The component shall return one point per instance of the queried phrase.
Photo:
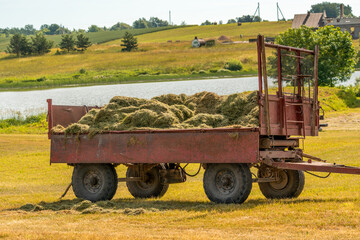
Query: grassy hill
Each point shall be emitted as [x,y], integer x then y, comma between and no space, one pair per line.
[156,58]
[97,37]
[247,30]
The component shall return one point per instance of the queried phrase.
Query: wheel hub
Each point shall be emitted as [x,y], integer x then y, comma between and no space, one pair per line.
[225,181]
[149,181]
[282,181]
[92,181]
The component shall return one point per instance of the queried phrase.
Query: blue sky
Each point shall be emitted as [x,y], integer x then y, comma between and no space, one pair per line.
[83,13]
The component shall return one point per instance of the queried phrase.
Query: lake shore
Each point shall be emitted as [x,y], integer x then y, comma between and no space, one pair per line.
[38,84]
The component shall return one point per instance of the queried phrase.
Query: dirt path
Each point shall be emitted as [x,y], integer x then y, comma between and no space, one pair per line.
[343,121]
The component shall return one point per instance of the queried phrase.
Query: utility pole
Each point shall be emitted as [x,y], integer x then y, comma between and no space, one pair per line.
[257,11]
[170,18]
[278,10]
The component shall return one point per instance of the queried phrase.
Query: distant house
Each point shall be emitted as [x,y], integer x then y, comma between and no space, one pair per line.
[316,20]
[352,25]
[312,20]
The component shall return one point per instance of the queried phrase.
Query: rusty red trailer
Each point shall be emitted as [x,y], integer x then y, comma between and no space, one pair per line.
[154,157]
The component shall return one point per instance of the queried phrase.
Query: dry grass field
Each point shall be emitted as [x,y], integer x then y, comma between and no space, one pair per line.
[327,208]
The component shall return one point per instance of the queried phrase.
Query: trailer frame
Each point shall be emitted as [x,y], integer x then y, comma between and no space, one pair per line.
[226,154]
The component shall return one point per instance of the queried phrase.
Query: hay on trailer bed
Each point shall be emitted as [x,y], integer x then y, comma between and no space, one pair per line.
[170,111]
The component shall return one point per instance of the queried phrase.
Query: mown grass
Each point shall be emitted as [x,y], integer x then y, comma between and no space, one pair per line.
[327,208]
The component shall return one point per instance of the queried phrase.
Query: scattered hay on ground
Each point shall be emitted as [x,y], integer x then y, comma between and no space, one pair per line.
[170,111]
[31,207]
[79,206]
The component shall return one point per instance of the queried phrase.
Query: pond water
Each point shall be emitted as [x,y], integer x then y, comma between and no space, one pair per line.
[34,102]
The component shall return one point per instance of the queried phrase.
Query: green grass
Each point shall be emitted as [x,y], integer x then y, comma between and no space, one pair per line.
[4,42]
[36,124]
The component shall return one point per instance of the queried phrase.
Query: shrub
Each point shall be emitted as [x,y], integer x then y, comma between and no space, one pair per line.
[82,71]
[233,65]
[42,79]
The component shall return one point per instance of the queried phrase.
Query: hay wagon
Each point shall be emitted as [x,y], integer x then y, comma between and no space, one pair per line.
[156,158]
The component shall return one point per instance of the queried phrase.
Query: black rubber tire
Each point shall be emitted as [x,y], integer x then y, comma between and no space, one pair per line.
[94,182]
[227,183]
[290,187]
[153,187]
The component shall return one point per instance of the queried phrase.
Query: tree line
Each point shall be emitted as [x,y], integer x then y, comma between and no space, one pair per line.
[58,29]
[39,45]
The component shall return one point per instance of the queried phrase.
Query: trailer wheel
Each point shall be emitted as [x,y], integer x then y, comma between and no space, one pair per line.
[94,182]
[290,185]
[227,183]
[151,187]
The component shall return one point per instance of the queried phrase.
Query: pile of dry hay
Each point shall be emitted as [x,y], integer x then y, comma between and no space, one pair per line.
[170,111]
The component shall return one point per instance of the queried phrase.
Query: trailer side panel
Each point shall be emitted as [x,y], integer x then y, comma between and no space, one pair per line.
[177,146]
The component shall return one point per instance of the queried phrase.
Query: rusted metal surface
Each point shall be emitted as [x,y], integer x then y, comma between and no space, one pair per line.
[277,154]
[65,115]
[262,51]
[287,115]
[268,143]
[167,146]
[288,48]
[276,118]
[315,117]
[316,167]
[49,117]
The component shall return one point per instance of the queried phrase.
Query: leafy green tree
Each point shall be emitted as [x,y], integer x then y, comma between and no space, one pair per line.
[207,22]
[82,42]
[141,23]
[120,26]
[19,45]
[40,45]
[336,52]
[53,28]
[29,30]
[67,42]
[332,9]
[156,22]
[248,18]
[129,42]
[94,28]
[231,21]
[62,30]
